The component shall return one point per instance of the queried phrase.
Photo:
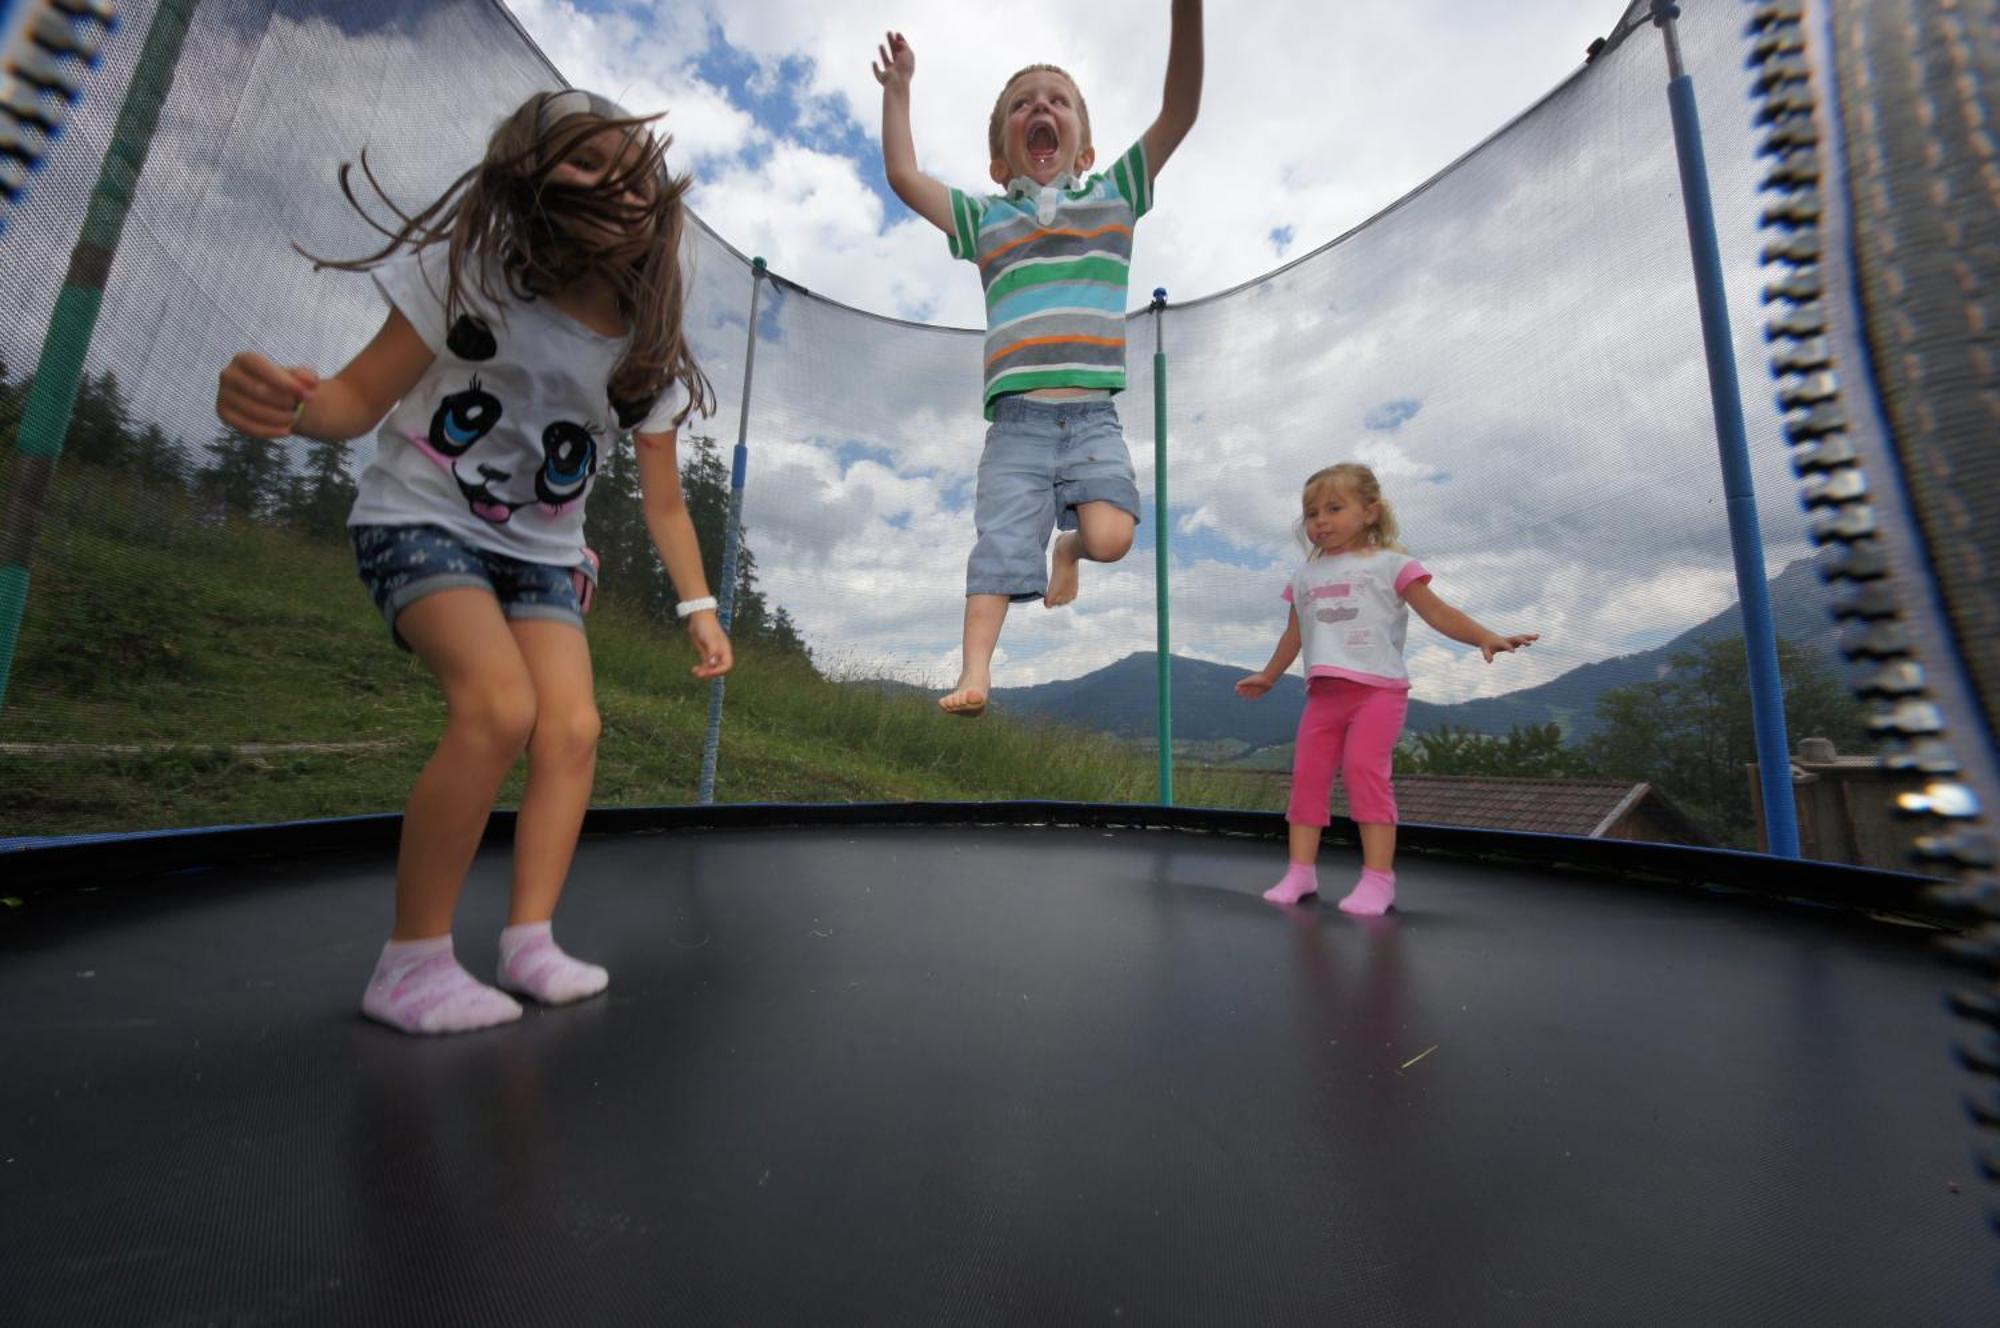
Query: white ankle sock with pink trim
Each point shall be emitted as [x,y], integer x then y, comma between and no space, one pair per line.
[419,987]
[532,964]
[1300,880]
[1372,896]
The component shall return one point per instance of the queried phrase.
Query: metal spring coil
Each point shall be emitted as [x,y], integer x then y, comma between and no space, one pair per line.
[43,59]
[1950,837]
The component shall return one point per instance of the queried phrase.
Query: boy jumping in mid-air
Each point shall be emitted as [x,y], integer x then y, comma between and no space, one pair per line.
[1053,255]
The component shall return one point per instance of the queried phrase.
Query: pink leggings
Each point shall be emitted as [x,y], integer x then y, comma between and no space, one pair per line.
[1354,726]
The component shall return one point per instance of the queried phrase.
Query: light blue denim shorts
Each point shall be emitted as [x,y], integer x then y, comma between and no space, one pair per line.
[402,564]
[1043,460]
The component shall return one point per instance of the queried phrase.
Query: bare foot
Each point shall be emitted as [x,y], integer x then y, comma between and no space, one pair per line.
[1063,571]
[967,702]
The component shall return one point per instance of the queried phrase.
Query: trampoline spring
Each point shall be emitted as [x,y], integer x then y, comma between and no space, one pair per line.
[1810,425]
[1846,524]
[1829,453]
[1828,488]
[1798,131]
[1883,640]
[1982,1006]
[1801,248]
[1948,800]
[1977,949]
[1781,70]
[1855,562]
[49,71]
[13,177]
[1774,12]
[1800,167]
[1807,320]
[1803,356]
[1867,601]
[18,140]
[1982,1057]
[1970,849]
[1902,677]
[1777,39]
[1926,756]
[25,105]
[1799,390]
[1909,718]
[1800,286]
[1984,1111]
[1801,209]
[66,36]
[1796,99]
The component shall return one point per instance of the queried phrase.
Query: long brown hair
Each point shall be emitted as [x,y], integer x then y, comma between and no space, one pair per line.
[544,235]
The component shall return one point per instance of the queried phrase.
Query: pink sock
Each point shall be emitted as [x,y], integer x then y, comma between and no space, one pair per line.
[419,988]
[532,964]
[1372,896]
[1299,881]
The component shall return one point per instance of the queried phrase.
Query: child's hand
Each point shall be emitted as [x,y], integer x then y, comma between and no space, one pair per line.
[713,657]
[1495,644]
[261,398]
[1254,686]
[896,64]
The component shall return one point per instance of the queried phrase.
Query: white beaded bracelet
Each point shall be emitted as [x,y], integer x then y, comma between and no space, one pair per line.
[687,608]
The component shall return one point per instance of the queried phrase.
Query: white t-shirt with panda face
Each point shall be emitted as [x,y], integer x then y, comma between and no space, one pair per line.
[499,440]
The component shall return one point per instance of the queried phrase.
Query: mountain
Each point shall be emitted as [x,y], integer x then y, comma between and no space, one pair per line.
[1121,698]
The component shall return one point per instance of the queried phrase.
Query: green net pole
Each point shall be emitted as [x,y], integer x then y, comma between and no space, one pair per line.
[1160,598]
[46,415]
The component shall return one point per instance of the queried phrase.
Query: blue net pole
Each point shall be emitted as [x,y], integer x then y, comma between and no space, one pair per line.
[738,468]
[1760,638]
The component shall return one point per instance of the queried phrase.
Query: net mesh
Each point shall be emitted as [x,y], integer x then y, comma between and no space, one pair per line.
[1514,347]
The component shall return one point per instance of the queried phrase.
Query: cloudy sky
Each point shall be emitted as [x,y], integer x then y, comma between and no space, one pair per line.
[1414,345]
[1512,344]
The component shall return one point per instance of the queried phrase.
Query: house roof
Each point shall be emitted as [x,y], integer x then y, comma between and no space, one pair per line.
[1586,807]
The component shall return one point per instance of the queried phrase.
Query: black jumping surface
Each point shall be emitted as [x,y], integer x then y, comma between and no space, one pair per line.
[956,1075]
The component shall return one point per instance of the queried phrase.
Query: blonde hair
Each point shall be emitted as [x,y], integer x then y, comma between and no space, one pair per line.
[999,116]
[543,235]
[1359,482]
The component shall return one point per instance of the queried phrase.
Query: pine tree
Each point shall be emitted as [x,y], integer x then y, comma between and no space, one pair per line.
[318,500]
[247,474]
[158,460]
[100,423]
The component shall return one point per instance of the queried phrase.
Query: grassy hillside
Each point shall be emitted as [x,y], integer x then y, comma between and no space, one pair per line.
[161,641]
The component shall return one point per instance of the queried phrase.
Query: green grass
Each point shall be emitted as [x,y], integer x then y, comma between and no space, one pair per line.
[152,624]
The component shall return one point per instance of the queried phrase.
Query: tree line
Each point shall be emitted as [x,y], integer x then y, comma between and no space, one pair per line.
[307,486]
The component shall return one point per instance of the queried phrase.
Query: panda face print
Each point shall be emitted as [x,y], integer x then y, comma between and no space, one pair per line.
[470,339]
[569,459]
[461,420]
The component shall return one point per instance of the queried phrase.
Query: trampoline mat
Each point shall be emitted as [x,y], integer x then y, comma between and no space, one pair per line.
[927,1075]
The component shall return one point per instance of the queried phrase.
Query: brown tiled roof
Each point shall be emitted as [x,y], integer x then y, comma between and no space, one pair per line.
[1542,806]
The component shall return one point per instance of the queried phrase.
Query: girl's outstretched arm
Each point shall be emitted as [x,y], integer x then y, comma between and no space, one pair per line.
[1264,680]
[1182,98]
[1459,626]
[672,529]
[266,400]
[925,196]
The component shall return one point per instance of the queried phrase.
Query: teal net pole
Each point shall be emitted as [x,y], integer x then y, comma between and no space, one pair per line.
[739,467]
[45,417]
[1160,597]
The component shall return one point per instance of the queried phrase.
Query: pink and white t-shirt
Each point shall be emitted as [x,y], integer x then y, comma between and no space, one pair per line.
[1352,617]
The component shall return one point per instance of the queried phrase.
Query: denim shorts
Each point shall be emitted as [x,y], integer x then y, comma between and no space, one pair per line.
[1043,460]
[402,564]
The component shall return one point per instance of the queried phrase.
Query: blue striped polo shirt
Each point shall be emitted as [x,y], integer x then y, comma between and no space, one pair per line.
[1055,263]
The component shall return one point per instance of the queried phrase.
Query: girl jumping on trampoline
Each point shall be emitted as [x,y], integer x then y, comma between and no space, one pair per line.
[534,315]
[1350,607]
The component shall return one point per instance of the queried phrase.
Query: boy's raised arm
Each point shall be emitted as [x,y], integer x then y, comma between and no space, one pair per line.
[1182,98]
[926,197]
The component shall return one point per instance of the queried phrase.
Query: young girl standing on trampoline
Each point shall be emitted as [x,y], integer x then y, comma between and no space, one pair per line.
[534,314]
[1350,606]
